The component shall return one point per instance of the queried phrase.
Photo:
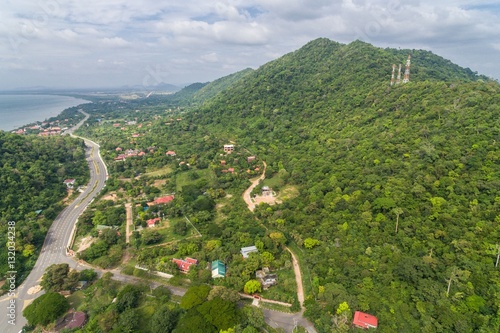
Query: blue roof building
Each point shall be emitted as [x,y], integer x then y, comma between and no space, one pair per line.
[218,269]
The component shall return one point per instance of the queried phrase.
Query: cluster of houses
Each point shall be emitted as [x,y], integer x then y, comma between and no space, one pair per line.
[45,128]
[50,131]
[158,201]
[128,153]
[218,267]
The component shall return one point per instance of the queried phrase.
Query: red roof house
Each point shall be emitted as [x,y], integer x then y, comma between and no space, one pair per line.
[161,200]
[170,153]
[152,222]
[364,320]
[185,264]
[69,183]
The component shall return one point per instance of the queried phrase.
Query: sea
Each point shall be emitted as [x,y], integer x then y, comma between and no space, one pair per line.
[20,110]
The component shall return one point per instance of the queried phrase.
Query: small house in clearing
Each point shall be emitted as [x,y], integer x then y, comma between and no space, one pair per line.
[245,251]
[218,269]
[266,280]
[364,320]
[69,183]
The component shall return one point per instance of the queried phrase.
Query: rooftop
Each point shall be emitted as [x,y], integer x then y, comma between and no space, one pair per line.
[364,320]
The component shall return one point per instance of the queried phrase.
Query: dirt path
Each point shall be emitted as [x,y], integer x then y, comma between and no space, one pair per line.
[295,262]
[128,232]
[298,279]
[255,182]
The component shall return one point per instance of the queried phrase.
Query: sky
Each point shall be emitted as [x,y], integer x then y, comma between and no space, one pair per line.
[115,43]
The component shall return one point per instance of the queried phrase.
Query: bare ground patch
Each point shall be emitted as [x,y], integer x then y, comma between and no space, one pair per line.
[85,243]
[159,182]
[110,196]
[269,199]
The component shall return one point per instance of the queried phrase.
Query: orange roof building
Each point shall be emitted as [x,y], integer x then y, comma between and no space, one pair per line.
[364,320]
[161,200]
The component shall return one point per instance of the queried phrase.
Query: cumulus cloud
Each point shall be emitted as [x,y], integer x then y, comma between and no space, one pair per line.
[200,40]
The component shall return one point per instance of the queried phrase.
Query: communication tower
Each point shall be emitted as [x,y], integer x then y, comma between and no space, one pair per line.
[398,80]
[407,70]
[393,73]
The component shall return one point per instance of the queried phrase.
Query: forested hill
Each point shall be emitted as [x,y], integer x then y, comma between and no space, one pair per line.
[213,88]
[198,93]
[399,186]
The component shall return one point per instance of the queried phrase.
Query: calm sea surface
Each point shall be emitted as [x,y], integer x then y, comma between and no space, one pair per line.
[19,110]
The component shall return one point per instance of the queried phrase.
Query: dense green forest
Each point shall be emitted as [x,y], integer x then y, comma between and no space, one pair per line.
[398,188]
[31,188]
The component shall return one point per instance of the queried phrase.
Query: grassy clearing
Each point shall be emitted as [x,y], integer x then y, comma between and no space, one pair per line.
[76,299]
[273,182]
[192,176]
[167,234]
[159,172]
[288,192]
[285,290]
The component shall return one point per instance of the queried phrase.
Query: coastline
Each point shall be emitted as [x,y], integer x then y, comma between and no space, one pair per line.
[17,110]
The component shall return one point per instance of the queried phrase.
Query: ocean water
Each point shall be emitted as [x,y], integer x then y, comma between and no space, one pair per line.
[19,110]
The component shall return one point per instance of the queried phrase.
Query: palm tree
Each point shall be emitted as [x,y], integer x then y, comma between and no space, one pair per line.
[397,211]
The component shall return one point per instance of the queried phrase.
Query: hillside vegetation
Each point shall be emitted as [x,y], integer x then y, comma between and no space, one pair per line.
[396,190]
[31,187]
[399,185]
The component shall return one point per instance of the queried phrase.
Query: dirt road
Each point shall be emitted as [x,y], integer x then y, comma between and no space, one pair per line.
[295,262]
[255,182]
[128,232]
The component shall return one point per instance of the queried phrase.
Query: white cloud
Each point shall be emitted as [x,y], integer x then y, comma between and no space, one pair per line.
[225,35]
[114,42]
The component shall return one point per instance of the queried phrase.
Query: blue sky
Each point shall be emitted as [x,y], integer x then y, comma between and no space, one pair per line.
[112,43]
